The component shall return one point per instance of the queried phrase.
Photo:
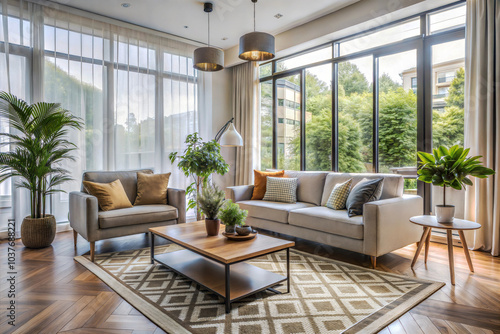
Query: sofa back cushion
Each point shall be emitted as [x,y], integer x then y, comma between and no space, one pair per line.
[393,184]
[309,185]
[127,178]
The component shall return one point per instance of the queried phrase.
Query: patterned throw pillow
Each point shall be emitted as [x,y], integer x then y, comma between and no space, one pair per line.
[339,194]
[281,190]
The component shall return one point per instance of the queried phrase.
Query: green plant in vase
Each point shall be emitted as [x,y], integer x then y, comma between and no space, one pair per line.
[232,216]
[450,168]
[210,201]
[200,160]
[38,147]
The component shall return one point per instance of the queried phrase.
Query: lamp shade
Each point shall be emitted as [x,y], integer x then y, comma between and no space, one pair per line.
[257,46]
[208,59]
[231,137]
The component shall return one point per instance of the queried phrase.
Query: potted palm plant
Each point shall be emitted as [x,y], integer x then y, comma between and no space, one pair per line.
[232,216]
[38,146]
[450,168]
[210,202]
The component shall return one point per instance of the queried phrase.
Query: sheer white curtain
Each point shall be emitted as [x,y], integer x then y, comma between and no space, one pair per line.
[15,77]
[135,89]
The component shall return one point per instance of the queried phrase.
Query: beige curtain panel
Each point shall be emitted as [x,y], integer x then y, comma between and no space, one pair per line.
[482,119]
[245,100]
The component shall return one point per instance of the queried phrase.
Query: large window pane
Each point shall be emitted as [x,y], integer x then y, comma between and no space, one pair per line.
[289,111]
[355,100]
[304,59]
[392,34]
[266,125]
[319,118]
[398,116]
[448,77]
[447,19]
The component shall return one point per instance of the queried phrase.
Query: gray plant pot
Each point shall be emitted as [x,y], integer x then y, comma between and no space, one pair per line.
[445,213]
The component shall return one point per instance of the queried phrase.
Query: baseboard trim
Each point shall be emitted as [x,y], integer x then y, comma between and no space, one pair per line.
[60,227]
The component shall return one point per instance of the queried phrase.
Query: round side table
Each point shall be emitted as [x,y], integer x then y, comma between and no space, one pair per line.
[430,222]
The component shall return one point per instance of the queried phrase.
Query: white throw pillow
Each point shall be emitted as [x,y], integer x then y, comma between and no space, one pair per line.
[281,189]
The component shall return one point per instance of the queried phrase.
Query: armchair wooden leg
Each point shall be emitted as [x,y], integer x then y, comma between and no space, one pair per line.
[374,261]
[75,237]
[92,251]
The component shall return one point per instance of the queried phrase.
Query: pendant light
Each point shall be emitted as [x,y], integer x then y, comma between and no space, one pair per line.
[256,46]
[208,59]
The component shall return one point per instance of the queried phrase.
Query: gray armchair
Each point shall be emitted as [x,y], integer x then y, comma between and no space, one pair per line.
[92,224]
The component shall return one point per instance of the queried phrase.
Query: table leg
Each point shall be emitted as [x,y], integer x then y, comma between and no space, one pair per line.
[427,244]
[288,270]
[228,289]
[466,250]
[152,243]
[449,240]
[427,231]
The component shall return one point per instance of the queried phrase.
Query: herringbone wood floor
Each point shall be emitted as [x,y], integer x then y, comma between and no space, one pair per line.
[57,295]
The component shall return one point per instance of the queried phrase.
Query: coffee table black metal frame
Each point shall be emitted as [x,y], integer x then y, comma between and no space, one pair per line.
[227,268]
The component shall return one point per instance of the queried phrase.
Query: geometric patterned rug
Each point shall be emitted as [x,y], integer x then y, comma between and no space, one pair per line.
[326,296]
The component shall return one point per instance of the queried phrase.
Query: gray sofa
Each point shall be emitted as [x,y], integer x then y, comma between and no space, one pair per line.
[383,227]
[92,224]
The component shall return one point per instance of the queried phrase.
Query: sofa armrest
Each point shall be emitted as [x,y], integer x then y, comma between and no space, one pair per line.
[387,226]
[83,214]
[177,198]
[239,193]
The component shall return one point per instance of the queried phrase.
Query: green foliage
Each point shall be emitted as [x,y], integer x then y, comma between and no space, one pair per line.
[210,201]
[386,84]
[200,160]
[448,127]
[456,90]
[398,128]
[232,215]
[351,79]
[350,158]
[450,168]
[38,148]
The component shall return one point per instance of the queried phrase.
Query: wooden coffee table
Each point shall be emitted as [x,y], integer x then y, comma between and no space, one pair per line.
[430,222]
[218,264]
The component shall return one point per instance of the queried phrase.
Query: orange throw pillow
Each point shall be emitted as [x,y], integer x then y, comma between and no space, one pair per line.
[260,182]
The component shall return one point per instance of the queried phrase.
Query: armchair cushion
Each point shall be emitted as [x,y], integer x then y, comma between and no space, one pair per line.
[111,196]
[140,214]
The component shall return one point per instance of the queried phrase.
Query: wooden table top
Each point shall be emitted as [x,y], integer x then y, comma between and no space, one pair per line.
[457,224]
[193,236]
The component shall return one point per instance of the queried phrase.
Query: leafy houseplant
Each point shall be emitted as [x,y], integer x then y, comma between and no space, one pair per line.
[38,147]
[200,160]
[450,168]
[210,201]
[232,216]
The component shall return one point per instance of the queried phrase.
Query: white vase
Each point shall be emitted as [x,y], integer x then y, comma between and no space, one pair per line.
[445,213]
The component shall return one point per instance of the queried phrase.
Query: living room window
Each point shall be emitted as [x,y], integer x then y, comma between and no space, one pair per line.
[363,106]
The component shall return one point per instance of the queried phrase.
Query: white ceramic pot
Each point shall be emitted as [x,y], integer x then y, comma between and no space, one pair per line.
[445,213]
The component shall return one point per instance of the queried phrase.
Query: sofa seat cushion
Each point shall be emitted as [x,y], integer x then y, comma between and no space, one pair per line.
[276,211]
[327,220]
[140,214]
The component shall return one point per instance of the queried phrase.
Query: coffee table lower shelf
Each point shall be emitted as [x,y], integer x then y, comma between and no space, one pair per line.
[244,279]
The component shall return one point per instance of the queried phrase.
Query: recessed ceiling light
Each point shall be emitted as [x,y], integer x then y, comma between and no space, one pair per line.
[125,5]
[278,16]
[185,27]
[224,38]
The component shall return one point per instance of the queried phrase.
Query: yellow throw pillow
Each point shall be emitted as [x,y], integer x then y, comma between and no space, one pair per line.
[152,188]
[110,196]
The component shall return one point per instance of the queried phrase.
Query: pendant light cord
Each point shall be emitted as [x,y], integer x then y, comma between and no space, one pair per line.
[208,29]
[254,17]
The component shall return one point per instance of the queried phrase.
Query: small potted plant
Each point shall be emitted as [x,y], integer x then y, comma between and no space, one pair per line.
[210,202]
[450,168]
[232,216]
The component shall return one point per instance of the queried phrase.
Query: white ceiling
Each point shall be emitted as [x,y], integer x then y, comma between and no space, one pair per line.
[229,20]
